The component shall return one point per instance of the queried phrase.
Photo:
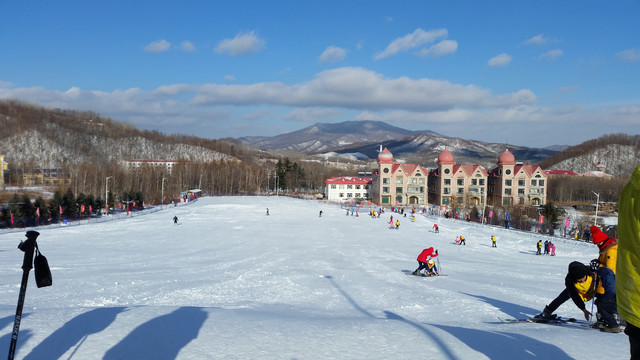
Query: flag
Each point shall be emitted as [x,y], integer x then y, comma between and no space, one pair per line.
[90,209]
[38,212]
[134,204]
[81,208]
[567,222]
[107,208]
[60,209]
[11,219]
[541,218]
[127,210]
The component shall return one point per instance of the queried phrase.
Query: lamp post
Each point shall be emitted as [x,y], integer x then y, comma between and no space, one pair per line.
[162,199]
[595,220]
[106,193]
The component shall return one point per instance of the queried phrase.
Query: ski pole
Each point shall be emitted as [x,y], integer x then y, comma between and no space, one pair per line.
[28,247]
[593,294]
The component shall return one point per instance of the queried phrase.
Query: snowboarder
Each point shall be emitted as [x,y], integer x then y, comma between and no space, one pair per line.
[578,287]
[493,241]
[435,228]
[539,247]
[425,262]
[175,220]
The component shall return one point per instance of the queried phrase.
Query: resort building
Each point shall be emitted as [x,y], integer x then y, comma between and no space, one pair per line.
[457,185]
[398,184]
[516,184]
[348,188]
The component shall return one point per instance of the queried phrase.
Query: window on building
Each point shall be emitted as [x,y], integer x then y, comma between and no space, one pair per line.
[447,181]
[349,186]
[460,182]
[349,195]
[357,195]
[386,181]
[521,182]
[385,189]
[341,195]
[507,183]
[446,190]
[521,192]
[460,191]
[421,182]
[413,189]
[474,182]
[481,182]
[357,186]
[399,190]
[333,186]
[399,181]
[534,182]
[540,182]
[507,191]
[460,201]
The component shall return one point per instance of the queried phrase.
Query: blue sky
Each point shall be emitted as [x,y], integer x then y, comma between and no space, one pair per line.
[533,73]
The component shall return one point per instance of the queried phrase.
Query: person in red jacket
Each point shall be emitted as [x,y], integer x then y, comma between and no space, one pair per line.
[425,262]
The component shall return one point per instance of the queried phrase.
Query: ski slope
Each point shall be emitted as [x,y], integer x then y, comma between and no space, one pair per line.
[231,282]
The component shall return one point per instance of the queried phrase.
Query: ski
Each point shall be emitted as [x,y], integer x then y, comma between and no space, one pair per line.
[420,275]
[552,321]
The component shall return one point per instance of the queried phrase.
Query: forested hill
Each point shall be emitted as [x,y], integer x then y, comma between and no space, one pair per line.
[619,153]
[48,138]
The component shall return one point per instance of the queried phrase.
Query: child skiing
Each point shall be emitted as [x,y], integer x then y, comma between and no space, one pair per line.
[397,224]
[462,241]
[175,220]
[435,228]
[539,247]
[425,262]
[493,241]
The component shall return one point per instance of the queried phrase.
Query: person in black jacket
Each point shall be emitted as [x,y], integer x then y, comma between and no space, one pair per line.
[578,287]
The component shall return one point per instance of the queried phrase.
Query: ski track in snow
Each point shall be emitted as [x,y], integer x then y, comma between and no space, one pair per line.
[234,283]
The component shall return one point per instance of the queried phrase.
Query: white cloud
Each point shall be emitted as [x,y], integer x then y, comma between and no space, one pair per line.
[410,41]
[229,78]
[187,46]
[500,60]
[312,114]
[358,88]
[5,84]
[630,55]
[158,46]
[552,55]
[333,54]
[241,44]
[442,48]
[537,40]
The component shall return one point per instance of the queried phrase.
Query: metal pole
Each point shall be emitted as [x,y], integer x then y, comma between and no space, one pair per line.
[106,193]
[595,220]
[28,247]
[162,200]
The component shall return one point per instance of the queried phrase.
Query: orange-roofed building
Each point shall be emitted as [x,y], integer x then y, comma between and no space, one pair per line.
[461,185]
[516,184]
[398,184]
[347,188]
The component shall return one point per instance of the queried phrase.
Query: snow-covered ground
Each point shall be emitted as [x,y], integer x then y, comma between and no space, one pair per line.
[230,282]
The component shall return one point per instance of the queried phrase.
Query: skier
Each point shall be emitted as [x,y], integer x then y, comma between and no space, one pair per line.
[175,220]
[493,241]
[320,213]
[435,228]
[397,224]
[552,248]
[628,278]
[606,286]
[267,211]
[423,263]
[578,287]
[462,240]
[539,247]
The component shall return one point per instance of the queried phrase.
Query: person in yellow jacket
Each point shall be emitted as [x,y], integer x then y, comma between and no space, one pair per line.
[628,261]
[578,287]
[606,285]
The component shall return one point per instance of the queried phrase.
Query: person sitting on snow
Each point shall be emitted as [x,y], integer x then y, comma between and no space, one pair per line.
[423,262]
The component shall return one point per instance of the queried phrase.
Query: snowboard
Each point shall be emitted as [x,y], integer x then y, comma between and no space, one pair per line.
[553,321]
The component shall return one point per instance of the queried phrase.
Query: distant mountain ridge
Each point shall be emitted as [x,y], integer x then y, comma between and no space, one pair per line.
[362,140]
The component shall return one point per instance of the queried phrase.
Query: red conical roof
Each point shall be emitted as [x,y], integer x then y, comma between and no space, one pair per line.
[385,156]
[506,158]
[445,157]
